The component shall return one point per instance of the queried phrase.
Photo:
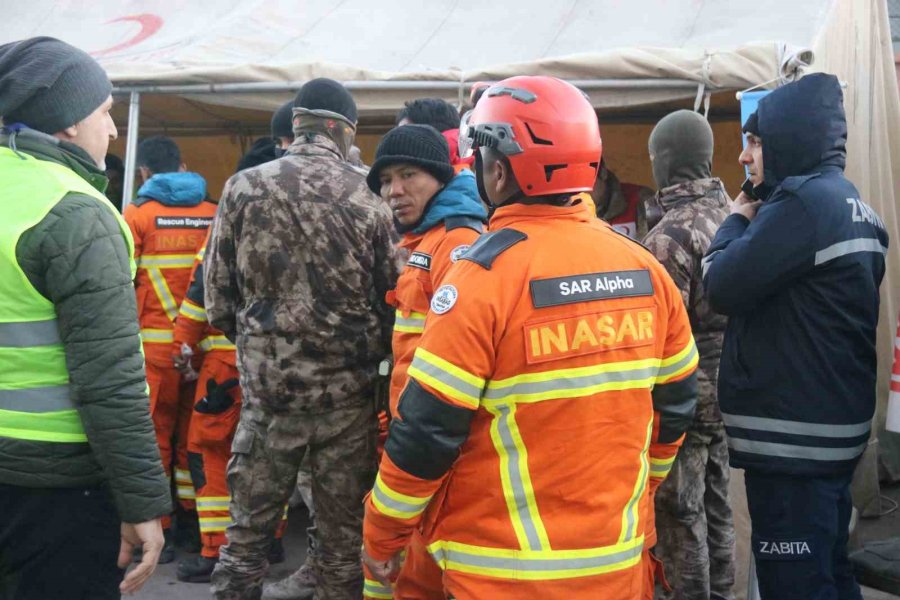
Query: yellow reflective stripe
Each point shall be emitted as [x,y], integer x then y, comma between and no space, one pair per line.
[573,383]
[214,524]
[192,311]
[447,378]
[414,323]
[166,299]
[185,493]
[183,476]
[165,261]
[374,589]
[157,336]
[215,342]
[394,504]
[631,514]
[536,565]
[679,364]
[660,467]
[62,426]
[201,254]
[516,479]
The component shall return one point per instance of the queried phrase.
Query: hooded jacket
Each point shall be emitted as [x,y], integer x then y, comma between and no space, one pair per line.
[800,285]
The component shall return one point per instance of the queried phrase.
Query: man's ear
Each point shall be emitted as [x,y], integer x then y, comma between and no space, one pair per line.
[182,168]
[69,133]
[144,173]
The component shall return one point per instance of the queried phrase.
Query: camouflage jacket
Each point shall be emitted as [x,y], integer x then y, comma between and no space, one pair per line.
[299,260]
[693,212]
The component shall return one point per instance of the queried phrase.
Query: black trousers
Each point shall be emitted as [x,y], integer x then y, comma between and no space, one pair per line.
[58,544]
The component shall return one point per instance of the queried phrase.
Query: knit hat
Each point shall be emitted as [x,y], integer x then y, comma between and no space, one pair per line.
[328,95]
[282,125]
[49,85]
[681,145]
[419,145]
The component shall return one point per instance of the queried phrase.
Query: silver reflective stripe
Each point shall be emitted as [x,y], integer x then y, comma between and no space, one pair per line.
[446,378]
[29,334]
[403,507]
[849,247]
[706,261]
[411,321]
[797,427]
[212,504]
[523,563]
[791,451]
[37,400]
[514,468]
[675,367]
[568,383]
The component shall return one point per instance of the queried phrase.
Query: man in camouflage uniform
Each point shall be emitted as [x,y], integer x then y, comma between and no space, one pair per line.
[298,263]
[693,517]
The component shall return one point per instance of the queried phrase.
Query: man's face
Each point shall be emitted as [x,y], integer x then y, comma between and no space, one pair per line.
[752,158]
[407,189]
[94,133]
[285,142]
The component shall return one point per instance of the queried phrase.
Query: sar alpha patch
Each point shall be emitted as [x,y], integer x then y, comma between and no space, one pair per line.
[444,299]
[420,260]
[589,334]
[458,252]
[796,549]
[590,286]
[183,222]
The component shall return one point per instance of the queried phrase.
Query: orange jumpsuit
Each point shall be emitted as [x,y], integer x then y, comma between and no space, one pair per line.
[210,436]
[166,238]
[431,255]
[555,373]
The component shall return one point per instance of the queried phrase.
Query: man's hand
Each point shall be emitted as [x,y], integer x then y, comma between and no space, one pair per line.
[745,206]
[182,363]
[150,535]
[385,571]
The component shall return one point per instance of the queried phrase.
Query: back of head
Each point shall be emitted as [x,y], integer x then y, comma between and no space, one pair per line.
[282,121]
[262,151]
[419,145]
[49,85]
[159,154]
[327,95]
[803,127]
[546,128]
[114,163]
[681,148]
[438,113]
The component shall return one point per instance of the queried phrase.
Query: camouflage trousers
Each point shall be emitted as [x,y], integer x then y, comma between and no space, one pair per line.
[693,519]
[262,474]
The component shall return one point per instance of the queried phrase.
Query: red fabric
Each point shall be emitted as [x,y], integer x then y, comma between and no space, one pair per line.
[452,137]
[420,577]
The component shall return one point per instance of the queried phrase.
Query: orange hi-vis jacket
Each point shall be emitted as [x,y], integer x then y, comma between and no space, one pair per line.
[166,240]
[431,255]
[192,327]
[555,373]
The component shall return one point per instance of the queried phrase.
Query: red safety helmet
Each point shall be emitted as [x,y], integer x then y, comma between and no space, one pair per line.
[547,129]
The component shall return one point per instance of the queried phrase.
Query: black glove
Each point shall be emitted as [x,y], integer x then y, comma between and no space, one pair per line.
[217,399]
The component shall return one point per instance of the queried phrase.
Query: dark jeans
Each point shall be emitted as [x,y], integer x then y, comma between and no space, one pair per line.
[59,544]
[800,532]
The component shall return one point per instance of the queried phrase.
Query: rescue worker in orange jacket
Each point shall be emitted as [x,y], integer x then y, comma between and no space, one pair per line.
[556,366]
[217,409]
[439,215]
[169,220]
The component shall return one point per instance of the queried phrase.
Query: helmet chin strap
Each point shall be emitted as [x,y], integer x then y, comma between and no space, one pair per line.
[516,196]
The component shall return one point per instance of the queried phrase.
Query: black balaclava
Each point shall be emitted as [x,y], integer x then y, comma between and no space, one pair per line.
[681,147]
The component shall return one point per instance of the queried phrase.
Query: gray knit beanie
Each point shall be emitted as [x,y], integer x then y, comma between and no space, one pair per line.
[48,84]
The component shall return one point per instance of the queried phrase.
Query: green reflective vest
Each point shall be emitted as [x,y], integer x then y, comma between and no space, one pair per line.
[35,400]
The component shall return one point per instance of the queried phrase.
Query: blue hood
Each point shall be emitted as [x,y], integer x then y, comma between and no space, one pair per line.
[459,198]
[175,189]
[803,128]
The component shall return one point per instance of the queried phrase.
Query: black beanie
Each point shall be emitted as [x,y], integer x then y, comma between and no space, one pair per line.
[419,145]
[326,94]
[49,85]
[282,125]
[752,124]
[262,151]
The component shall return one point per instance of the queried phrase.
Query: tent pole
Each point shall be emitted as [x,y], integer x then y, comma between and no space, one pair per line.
[134,113]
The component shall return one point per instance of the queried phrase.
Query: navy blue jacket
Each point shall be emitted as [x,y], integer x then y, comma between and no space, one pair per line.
[800,285]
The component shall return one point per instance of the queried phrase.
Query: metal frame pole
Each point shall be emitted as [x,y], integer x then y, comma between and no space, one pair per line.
[134,113]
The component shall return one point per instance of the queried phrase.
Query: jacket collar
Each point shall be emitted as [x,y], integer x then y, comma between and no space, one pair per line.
[46,147]
[510,214]
[314,144]
[710,191]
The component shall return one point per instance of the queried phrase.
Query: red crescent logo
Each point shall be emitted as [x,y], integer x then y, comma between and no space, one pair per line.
[149,23]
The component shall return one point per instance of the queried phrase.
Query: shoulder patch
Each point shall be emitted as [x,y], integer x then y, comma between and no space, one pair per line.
[444,299]
[458,252]
[590,286]
[489,246]
[420,260]
[472,223]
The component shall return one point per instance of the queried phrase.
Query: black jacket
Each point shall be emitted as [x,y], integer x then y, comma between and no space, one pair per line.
[800,285]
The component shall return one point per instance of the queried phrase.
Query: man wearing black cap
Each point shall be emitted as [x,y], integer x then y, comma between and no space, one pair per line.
[298,264]
[81,481]
[796,267]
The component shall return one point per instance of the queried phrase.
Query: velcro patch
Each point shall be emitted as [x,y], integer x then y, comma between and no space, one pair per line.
[588,334]
[183,222]
[420,260]
[590,286]
[796,549]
